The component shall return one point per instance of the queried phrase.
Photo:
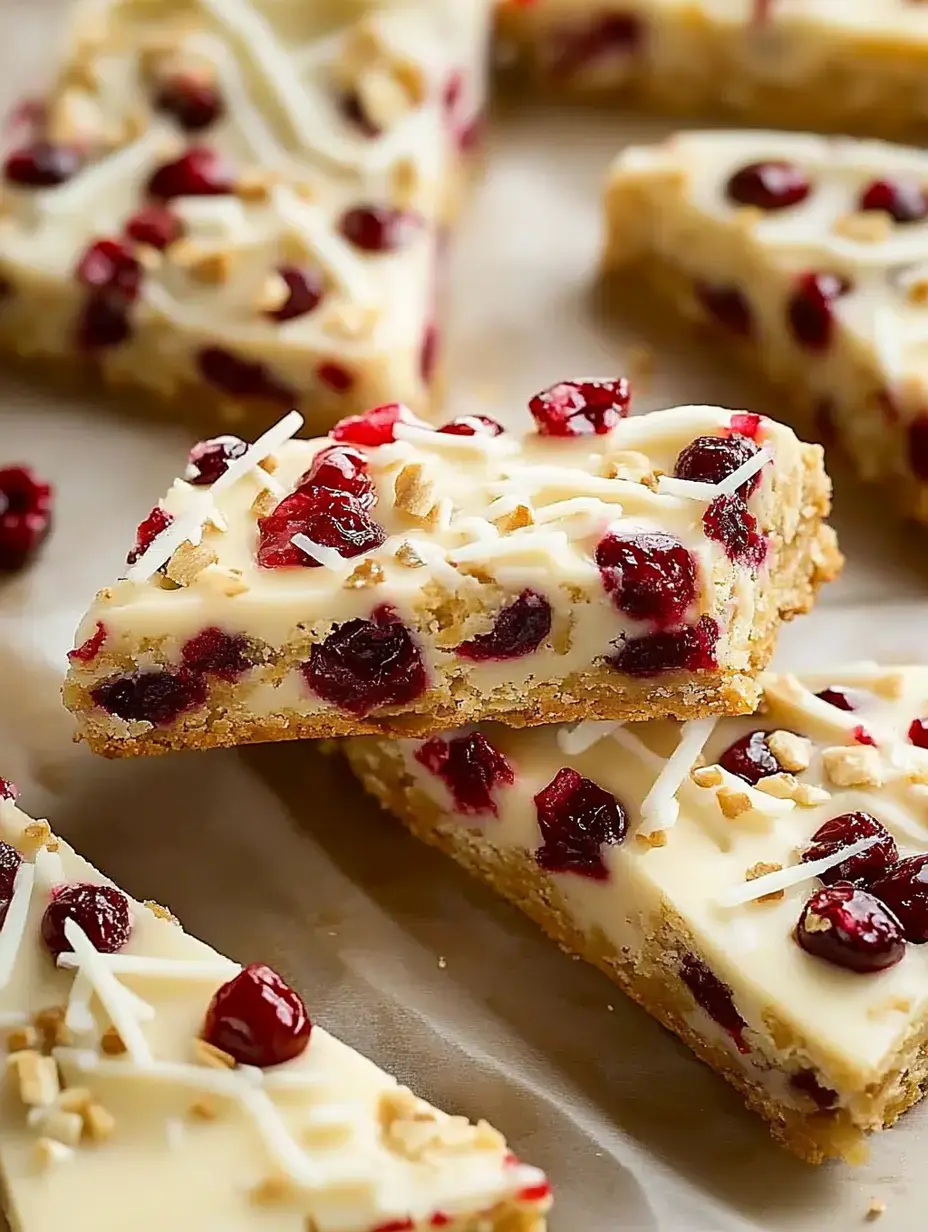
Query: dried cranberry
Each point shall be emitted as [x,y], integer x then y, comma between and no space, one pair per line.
[772,185]
[351,107]
[209,460]
[918,733]
[374,427]
[151,697]
[258,1019]
[746,423]
[102,322]
[102,912]
[25,516]
[305,290]
[841,699]
[335,376]
[331,519]
[862,736]
[805,1080]
[904,200]
[728,306]
[850,928]
[340,469]
[809,309]
[365,664]
[42,164]
[199,172]
[10,861]
[918,447]
[710,459]
[519,629]
[470,768]
[193,102]
[215,653]
[577,818]
[473,425]
[241,377]
[729,522]
[714,997]
[651,576]
[904,889]
[579,408]
[89,649]
[608,34]
[156,226]
[108,265]
[379,228]
[148,531]
[750,758]
[841,832]
[691,649]
[8,790]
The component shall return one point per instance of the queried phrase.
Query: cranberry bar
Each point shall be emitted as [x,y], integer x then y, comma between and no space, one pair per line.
[397,578]
[758,884]
[852,66]
[153,1083]
[237,206]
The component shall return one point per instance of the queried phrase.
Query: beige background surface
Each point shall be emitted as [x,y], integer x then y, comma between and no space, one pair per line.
[275,854]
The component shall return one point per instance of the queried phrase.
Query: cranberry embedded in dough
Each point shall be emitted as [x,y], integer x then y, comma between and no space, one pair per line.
[728,521]
[577,819]
[151,697]
[242,378]
[650,576]
[470,767]
[366,664]
[214,652]
[519,629]
[690,649]
[728,306]
[715,997]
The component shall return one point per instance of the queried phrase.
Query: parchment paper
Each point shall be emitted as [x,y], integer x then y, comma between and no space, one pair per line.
[274,853]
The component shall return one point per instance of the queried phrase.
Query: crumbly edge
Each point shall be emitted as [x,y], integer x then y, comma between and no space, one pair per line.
[799,567]
[651,981]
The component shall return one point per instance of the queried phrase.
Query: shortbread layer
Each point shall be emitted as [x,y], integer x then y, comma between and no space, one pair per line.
[691,898]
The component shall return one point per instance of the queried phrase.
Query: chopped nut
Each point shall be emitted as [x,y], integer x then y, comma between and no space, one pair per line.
[264,503]
[35,835]
[22,1039]
[227,581]
[203,1110]
[917,291]
[271,1190]
[657,838]
[208,1054]
[74,1099]
[149,258]
[514,520]
[51,1026]
[815,923]
[37,1076]
[254,185]
[188,562]
[707,776]
[760,870]
[891,686]
[111,1043]
[49,1152]
[781,786]
[367,573]
[159,912]
[876,1208]
[398,1103]
[350,320]
[274,293]
[63,1126]
[807,795]
[405,183]
[733,803]
[627,464]
[791,751]
[212,269]
[99,1122]
[383,97]
[747,216]
[407,555]
[853,766]
[864,226]
[414,492]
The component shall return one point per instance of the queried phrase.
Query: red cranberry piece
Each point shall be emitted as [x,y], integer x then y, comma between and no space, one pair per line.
[904,200]
[151,697]
[577,818]
[258,1019]
[215,653]
[918,447]
[396,1225]
[862,736]
[728,306]
[650,576]
[518,630]
[340,469]
[772,185]
[8,790]
[806,1081]
[89,649]
[199,172]
[918,733]
[25,516]
[148,531]
[746,423]
[841,832]
[470,768]
[335,376]
[156,226]
[471,425]
[850,928]
[10,860]
[729,522]
[750,758]
[331,519]
[192,102]
[841,699]
[608,34]
[209,460]
[351,107]
[102,912]
[714,997]
[691,649]
[108,265]
[365,664]
[810,312]
[374,427]
[42,164]
[242,378]
[305,289]
[428,355]
[102,322]
[580,408]
[710,459]
[379,228]
[904,889]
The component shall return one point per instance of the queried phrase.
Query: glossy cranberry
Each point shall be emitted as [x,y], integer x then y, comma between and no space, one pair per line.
[651,576]
[8,790]
[374,427]
[904,889]
[772,185]
[10,861]
[918,733]
[470,768]
[428,354]
[103,322]
[710,459]
[102,912]
[518,630]
[728,306]
[199,172]
[746,423]
[242,378]
[258,1019]
[108,265]
[714,997]
[215,653]
[156,226]
[904,200]
[805,1080]
[365,664]
[305,291]
[841,699]
[42,164]
[810,312]
[148,531]
[379,228]
[151,697]
[728,521]
[472,425]
[750,758]
[352,109]
[580,408]
[577,818]
[209,460]
[89,649]
[690,649]
[918,447]
[331,519]
[340,469]
[192,102]
[607,35]
[335,376]
[841,832]
[25,516]
[850,928]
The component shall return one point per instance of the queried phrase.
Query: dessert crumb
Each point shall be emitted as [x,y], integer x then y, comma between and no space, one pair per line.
[876,1208]
[442,962]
